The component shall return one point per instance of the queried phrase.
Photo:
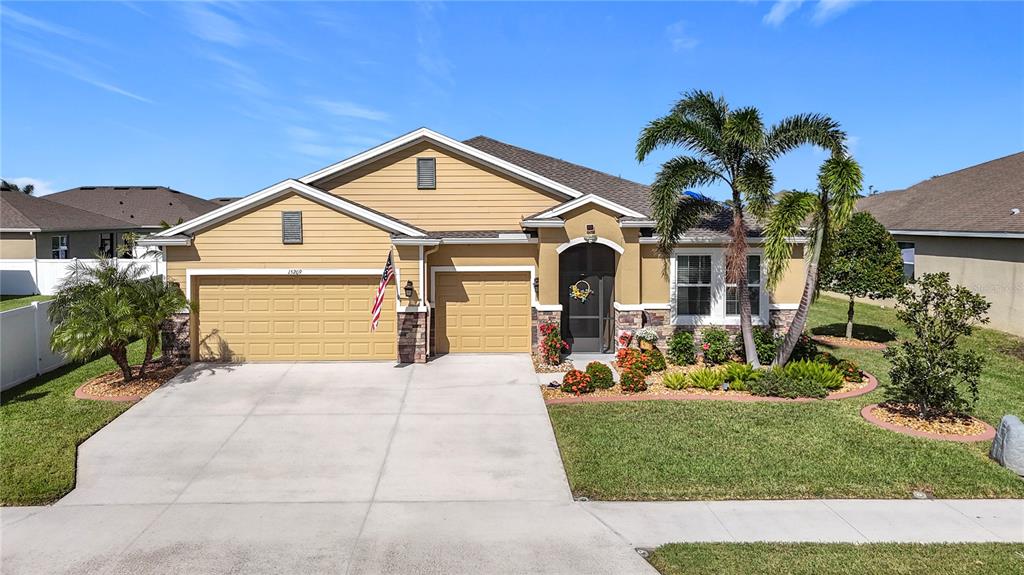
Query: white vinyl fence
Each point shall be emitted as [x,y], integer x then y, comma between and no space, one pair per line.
[25,344]
[35,276]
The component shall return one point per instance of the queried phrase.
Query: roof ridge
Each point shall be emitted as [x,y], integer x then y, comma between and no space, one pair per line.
[1007,156]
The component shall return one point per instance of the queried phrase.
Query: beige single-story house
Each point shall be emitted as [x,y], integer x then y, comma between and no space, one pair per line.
[487,238]
[82,222]
[969,224]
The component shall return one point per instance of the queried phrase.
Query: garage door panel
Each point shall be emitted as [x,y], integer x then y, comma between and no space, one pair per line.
[482,312]
[267,318]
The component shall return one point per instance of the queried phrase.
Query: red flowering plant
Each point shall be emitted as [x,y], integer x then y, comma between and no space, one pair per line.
[632,380]
[552,345]
[577,382]
[630,358]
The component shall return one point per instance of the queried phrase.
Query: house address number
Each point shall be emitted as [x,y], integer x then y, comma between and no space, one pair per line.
[295,272]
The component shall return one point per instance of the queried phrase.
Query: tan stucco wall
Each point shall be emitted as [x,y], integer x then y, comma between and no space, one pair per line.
[992,267]
[468,196]
[17,245]
[483,255]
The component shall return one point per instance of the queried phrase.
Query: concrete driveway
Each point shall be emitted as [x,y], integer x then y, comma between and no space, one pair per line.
[449,467]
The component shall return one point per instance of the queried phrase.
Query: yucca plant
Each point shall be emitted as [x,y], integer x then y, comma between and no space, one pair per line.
[675,380]
[705,378]
[739,373]
[829,377]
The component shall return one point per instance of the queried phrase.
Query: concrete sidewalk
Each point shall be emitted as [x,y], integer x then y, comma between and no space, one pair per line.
[650,524]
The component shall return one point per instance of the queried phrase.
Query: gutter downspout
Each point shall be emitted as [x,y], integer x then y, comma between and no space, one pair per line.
[423,287]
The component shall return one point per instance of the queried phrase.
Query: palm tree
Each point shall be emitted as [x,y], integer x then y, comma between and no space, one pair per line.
[730,147]
[12,187]
[839,184]
[157,300]
[96,310]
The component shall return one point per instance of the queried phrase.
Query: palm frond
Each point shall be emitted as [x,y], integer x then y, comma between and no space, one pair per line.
[756,181]
[673,211]
[842,179]
[744,129]
[784,221]
[795,131]
[676,130]
[704,108]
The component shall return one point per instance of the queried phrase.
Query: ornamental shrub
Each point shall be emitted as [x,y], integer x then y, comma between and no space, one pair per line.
[820,373]
[552,344]
[738,374]
[655,359]
[929,370]
[576,382]
[805,348]
[850,370]
[600,375]
[766,342]
[775,382]
[675,380]
[680,348]
[716,344]
[631,358]
[706,378]
[632,380]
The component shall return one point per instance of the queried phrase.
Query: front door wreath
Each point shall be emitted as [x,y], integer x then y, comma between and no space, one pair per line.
[580,290]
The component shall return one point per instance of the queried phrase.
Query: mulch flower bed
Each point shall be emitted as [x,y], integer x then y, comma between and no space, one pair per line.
[540,367]
[946,427]
[111,386]
[833,341]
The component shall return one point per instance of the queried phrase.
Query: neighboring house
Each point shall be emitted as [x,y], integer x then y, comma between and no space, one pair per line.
[487,240]
[81,222]
[970,224]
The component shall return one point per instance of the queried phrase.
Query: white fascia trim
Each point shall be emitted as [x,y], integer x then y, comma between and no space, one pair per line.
[548,307]
[532,269]
[995,235]
[194,272]
[522,240]
[589,199]
[719,240]
[576,241]
[543,224]
[422,134]
[637,224]
[784,306]
[20,230]
[415,241]
[280,189]
[640,306]
[175,241]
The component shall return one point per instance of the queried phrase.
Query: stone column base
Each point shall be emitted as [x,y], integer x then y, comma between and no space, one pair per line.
[176,339]
[412,337]
[781,319]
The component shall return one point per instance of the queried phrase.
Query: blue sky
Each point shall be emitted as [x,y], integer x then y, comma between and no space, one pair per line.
[225,99]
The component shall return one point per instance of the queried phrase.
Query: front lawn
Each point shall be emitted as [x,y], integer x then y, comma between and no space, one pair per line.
[41,424]
[655,450]
[15,301]
[838,559]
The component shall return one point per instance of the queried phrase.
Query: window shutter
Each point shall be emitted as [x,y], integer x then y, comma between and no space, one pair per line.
[291,227]
[426,174]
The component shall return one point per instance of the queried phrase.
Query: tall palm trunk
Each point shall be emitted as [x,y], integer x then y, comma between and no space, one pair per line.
[796,329]
[736,272]
[119,354]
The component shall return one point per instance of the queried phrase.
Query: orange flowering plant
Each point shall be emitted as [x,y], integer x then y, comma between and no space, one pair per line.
[577,382]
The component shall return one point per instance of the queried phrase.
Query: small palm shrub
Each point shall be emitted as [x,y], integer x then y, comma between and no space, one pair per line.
[680,348]
[675,380]
[576,382]
[628,358]
[825,375]
[600,375]
[656,359]
[738,374]
[716,344]
[775,382]
[706,378]
[633,380]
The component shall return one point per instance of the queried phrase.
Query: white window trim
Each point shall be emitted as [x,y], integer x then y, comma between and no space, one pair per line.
[718,284]
[577,241]
[531,269]
[759,252]
[197,272]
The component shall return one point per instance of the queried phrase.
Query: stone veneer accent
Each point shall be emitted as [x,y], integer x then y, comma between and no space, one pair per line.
[538,318]
[779,320]
[176,339]
[412,337]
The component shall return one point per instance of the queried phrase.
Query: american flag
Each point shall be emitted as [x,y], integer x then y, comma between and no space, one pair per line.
[378,302]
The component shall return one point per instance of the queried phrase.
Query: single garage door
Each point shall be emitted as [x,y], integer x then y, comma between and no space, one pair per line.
[288,318]
[482,312]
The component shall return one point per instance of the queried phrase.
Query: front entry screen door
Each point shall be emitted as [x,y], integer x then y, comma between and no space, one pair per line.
[587,324]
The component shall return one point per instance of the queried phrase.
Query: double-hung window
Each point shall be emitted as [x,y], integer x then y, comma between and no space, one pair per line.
[907,251]
[732,302]
[693,285]
[59,247]
[107,244]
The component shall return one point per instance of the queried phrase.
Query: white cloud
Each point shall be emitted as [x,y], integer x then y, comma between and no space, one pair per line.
[828,9]
[43,187]
[213,26]
[680,38]
[72,68]
[435,67]
[350,110]
[780,11]
[27,22]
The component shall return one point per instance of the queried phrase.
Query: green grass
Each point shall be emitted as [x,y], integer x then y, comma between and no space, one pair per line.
[838,559]
[658,450]
[41,425]
[15,301]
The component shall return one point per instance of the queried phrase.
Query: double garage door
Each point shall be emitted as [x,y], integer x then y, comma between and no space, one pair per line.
[296,318]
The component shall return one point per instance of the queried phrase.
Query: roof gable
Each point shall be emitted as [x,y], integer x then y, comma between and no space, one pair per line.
[141,206]
[583,201]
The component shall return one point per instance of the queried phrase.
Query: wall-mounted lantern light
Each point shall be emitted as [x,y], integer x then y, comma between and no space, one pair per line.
[591,235]
[536,285]
[408,289]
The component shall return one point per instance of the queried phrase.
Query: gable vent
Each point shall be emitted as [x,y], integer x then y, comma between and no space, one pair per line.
[426,173]
[291,227]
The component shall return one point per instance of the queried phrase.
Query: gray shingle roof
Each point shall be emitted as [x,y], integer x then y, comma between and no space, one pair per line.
[136,205]
[21,211]
[974,199]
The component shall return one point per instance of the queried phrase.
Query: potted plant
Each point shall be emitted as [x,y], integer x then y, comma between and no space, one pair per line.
[646,338]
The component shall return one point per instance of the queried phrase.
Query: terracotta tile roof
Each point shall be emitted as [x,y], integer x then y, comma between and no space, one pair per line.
[136,205]
[975,199]
[22,211]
